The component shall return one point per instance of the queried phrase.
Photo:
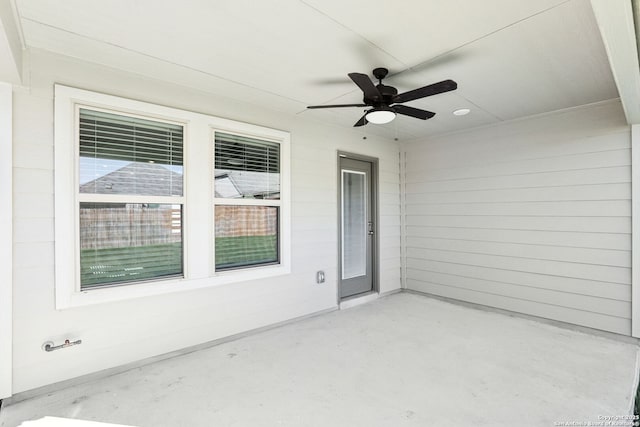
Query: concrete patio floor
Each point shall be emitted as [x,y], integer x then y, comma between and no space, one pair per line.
[401,360]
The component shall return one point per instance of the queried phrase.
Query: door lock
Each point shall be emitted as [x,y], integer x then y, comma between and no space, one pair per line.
[370,223]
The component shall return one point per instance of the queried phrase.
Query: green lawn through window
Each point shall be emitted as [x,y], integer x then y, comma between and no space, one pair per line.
[245,250]
[115,265]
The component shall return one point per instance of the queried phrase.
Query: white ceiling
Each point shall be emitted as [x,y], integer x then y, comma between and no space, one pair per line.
[511,58]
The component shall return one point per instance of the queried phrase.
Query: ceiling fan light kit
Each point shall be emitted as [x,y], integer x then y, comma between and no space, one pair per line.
[380,116]
[386,101]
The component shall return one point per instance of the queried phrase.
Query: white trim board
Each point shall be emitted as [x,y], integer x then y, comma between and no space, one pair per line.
[403,219]
[635,231]
[615,20]
[11,44]
[6,240]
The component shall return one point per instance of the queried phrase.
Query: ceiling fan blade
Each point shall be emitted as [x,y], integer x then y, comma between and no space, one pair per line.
[434,89]
[363,121]
[336,106]
[366,85]
[413,112]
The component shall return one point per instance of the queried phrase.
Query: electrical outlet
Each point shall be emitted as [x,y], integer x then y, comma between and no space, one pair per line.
[320,277]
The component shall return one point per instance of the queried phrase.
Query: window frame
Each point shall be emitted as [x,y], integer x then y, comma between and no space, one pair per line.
[81,197]
[197,199]
[229,201]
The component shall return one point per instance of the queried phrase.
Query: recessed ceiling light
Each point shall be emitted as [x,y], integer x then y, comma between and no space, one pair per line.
[461,112]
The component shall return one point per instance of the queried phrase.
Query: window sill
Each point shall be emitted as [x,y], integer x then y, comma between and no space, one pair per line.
[166,286]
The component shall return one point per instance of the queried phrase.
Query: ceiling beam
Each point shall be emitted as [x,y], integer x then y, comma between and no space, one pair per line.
[616,23]
[11,46]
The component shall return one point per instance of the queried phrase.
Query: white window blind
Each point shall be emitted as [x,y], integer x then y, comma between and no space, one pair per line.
[251,165]
[113,136]
[237,152]
[129,155]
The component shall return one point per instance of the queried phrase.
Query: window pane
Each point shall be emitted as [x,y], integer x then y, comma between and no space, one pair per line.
[128,155]
[354,224]
[246,236]
[125,242]
[246,167]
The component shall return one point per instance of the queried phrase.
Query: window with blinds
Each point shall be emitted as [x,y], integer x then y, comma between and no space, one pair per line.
[139,185]
[123,159]
[247,201]
[250,165]
[129,155]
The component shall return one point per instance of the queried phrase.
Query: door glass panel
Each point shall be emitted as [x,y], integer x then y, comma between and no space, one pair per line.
[354,224]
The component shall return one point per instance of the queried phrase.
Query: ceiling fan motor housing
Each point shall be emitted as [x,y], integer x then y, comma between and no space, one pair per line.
[387,92]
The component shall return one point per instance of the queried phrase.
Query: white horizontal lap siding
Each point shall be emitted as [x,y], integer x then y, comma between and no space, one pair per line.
[116,333]
[532,216]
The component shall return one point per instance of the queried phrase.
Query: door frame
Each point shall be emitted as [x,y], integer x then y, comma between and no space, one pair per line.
[6,240]
[375,215]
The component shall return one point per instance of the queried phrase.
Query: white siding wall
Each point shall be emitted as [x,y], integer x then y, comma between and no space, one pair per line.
[117,333]
[532,216]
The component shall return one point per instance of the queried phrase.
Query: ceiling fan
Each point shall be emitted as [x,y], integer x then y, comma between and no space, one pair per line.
[384,99]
